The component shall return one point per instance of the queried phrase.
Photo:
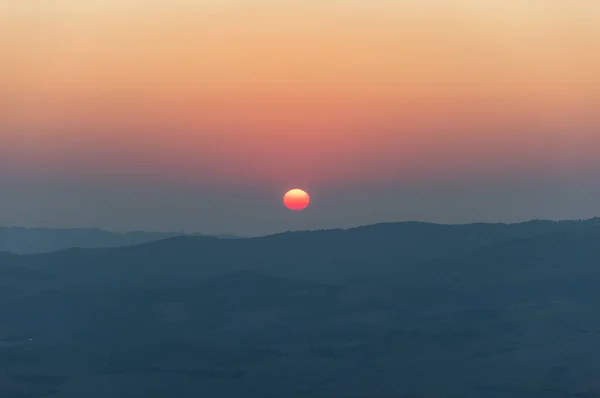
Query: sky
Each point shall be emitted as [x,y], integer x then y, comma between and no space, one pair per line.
[199,115]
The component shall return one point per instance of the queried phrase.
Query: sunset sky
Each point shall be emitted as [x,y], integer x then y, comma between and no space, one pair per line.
[200,115]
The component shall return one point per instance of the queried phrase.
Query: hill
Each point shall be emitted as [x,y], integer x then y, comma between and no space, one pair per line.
[390,310]
[22,240]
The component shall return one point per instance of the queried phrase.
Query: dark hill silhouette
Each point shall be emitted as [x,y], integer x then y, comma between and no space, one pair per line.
[42,240]
[330,255]
[6,255]
[390,310]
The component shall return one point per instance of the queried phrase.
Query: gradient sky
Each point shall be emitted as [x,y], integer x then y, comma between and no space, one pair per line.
[199,115]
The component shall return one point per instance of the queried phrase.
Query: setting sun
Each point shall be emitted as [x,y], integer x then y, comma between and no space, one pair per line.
[296,199]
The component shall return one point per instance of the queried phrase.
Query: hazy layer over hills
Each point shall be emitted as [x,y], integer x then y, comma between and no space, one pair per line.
[42,240]
[390,310]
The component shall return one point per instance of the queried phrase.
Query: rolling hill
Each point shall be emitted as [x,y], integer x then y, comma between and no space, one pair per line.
[22,240]
[389,310]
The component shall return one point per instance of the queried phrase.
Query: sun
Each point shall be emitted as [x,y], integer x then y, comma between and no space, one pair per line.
[296,199]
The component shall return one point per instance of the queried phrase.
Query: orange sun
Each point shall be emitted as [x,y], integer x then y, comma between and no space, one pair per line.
[296,199]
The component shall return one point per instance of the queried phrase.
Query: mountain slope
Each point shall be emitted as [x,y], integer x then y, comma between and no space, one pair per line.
[42,240]
[394,310]
[333,255]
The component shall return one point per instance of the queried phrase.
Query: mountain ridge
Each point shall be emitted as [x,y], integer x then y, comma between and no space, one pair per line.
[25,240]
[482,310]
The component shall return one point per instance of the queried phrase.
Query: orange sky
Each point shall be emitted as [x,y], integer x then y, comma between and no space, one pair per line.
[299,92]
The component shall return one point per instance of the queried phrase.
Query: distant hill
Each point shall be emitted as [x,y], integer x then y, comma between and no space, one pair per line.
[22,240]
[389,310]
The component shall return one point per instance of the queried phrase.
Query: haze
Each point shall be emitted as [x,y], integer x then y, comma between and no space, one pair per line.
[198,116]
